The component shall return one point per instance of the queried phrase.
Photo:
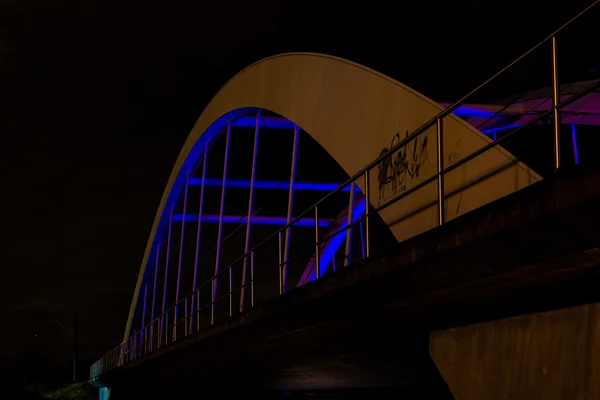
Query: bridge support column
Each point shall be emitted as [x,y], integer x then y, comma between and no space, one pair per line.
[550,355]
[104,393]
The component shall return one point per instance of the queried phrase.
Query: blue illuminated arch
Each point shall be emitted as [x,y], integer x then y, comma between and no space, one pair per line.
[352,112]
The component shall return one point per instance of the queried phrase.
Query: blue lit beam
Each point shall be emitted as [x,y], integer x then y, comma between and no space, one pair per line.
[258,220]
[242,183]
[335,242]
[473,111]
[493,131]
[265,122]
[464,111]
[478,110]
[575,147]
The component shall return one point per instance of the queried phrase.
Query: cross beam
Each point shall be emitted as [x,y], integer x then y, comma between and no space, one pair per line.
[242,183]
[258,220]
[464,111]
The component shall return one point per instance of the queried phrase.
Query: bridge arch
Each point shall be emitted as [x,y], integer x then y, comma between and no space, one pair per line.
[354,113]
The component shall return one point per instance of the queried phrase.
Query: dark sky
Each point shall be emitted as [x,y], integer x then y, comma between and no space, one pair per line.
[97,97]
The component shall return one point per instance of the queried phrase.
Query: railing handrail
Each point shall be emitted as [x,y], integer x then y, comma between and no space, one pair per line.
[444,170]
[445,112]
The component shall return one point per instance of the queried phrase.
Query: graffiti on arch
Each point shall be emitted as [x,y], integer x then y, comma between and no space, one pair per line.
[397,171]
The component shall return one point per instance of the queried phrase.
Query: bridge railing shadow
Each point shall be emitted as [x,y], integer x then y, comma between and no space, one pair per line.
[272,267]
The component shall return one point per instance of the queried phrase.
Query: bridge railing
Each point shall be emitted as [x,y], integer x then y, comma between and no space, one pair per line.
[242,284]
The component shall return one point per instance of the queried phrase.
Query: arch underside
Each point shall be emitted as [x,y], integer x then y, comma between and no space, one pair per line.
[355,114]
[295,181]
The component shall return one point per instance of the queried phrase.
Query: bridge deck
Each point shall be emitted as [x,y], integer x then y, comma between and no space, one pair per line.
[367,325]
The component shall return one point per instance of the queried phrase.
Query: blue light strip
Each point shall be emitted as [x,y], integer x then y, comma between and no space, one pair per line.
[503,128]
[467,111]
[574,139]
[463,111]
[241,183]
[334,243]
[265,122]
[256,220]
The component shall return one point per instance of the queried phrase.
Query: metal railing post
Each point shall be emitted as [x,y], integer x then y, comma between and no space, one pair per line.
[212,301]
[555,102]
[440,170]
[230,291]
[174,332]
[280,250]
[159,322]
[197,310]
[252,279]
[156,270]
[167,329]
[151,337]
[186,317]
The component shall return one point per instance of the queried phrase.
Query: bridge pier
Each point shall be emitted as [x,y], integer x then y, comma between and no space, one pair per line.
[546,355]
[104,393]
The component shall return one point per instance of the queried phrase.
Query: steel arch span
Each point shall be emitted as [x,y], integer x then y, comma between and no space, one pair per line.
[355,114]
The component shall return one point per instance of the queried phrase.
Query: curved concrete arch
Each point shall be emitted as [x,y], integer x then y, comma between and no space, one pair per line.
[355,113]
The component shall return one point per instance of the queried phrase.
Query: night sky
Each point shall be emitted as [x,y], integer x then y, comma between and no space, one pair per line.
[97,98]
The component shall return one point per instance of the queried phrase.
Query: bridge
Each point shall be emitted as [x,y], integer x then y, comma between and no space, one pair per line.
[327,229]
